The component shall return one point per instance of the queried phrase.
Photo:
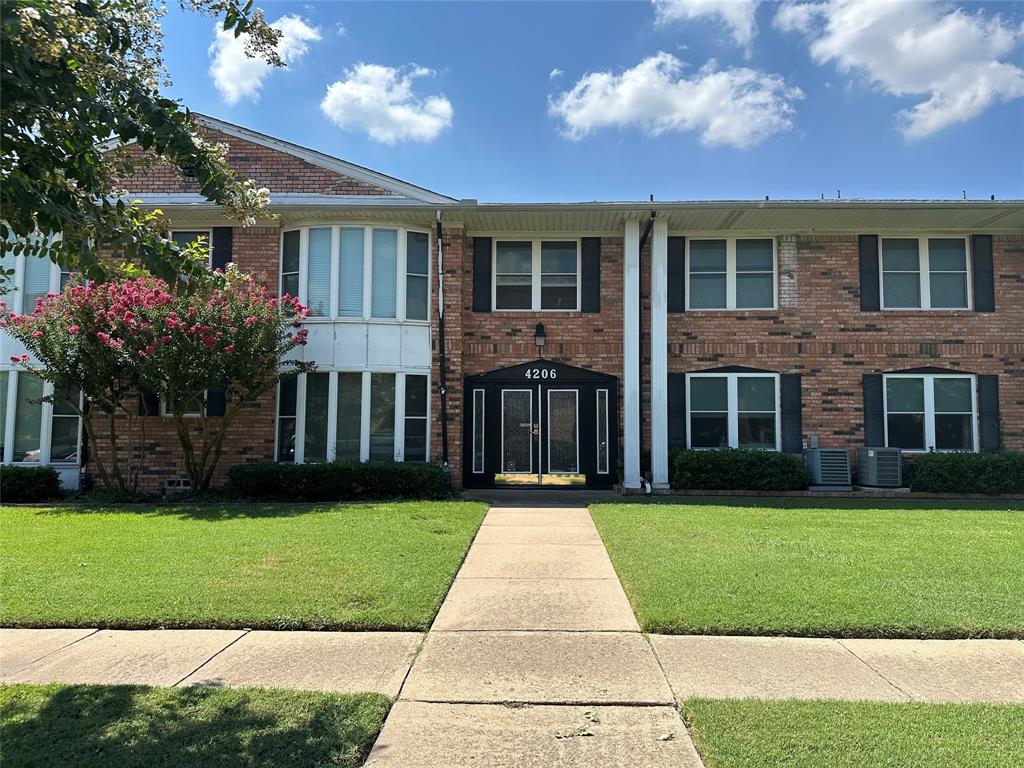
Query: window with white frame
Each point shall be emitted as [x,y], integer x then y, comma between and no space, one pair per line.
[924,273]
[478,430]
[185,237]
[189,407]
[930,412]
[34,432]
[539,275]
[730,273]
[733,410]
[353,416]
[602,432]
[358,272]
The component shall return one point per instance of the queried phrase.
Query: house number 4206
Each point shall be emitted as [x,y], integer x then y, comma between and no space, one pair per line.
[541,373]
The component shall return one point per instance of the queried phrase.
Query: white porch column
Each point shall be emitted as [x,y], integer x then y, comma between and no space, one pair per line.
[631,356]
[659,353]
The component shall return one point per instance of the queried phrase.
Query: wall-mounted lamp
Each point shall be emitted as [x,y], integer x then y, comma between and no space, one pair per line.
[540,336]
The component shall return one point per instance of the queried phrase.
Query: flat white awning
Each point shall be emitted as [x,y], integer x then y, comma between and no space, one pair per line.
[778,217]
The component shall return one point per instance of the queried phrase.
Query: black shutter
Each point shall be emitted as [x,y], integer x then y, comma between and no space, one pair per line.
[590,279]
[215,402]
[676,274]
[874,414]
[149,403]
[869,298]
[676,411]
[984,279]
[222,240]
[481,274]
[988,412]
[792,414]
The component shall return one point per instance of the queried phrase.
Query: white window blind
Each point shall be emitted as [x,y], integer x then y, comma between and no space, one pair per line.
[318,272]
[385,272]
[350,292]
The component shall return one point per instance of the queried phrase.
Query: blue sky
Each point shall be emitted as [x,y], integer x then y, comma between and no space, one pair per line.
[614,101]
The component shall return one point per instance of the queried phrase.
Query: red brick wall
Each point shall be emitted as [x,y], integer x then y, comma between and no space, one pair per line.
[251,437]
[821,333]
[278,171]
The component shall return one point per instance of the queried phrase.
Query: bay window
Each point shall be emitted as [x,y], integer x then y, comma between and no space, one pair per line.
[924,273]
[930,412]
[358,272]
[353,416]
[730,273]
[538,275]
[733,410]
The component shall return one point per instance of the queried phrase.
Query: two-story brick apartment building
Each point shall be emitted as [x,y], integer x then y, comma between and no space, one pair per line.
[567,342]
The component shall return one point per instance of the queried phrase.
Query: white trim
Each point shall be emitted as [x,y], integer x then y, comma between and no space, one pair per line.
[576,406]
[8,425]
[364,419]
[481,409]
[924,272]
[731,273]
[332,415]
[732,411]
[536,274]
[501,465]
[300,419]
[929,408]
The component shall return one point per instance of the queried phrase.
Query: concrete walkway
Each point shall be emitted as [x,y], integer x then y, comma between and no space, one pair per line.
[535,659]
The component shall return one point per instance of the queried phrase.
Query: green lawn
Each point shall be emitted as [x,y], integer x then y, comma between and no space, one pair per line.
[813,734]
[350,566]
[95,726]
[858,569]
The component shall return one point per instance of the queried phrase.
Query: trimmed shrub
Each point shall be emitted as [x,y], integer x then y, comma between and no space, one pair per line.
[338,481]
[29,485]
[738,470]
[965,472]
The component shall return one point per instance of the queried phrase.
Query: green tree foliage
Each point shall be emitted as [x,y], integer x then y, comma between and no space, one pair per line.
[79,77]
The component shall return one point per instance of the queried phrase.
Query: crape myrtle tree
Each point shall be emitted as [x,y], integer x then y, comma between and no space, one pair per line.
[218,333]
[81,76]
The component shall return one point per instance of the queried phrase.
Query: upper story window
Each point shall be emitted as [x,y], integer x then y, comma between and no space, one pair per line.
[358,272]
[184,237]
[32,278]
[730,273]
[538,275]
[733,410]
[930,412]
[924,273]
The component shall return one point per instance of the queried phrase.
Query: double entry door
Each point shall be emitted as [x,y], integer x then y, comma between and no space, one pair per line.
[540,436]
[540,424]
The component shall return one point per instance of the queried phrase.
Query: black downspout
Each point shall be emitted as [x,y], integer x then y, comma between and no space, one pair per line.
[442,355]
[640,328]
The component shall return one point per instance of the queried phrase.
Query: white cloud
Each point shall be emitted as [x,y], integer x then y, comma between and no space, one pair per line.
[238,76]
[555,73]
[738,107]
[736,15]
[954,58]
[380,101]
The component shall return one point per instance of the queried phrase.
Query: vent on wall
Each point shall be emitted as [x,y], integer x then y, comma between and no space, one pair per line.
[829,468]
[879,467]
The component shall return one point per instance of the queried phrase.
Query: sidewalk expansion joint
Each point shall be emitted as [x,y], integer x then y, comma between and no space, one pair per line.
[214,656]
[889,682]
[55,650]
[545,703]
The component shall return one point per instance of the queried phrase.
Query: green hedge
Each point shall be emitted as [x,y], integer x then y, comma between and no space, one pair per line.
[738,470]
[964,472]
[338,481]
[29,484]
